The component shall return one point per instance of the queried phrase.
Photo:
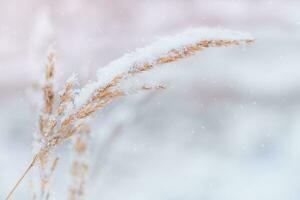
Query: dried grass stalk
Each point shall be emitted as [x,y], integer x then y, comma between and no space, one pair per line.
[47,164]
[57,127]
[79,168]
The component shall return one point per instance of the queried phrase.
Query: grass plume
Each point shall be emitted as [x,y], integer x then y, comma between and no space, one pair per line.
[65,118]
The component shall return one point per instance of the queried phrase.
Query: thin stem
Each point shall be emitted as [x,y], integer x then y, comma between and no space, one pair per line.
[22,177]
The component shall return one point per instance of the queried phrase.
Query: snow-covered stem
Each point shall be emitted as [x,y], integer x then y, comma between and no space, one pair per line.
[48,97]
[96,95]
[46,124]
[76,106]
[66,94]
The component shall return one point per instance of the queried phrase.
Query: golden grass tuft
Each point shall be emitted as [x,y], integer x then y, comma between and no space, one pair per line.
[57,126]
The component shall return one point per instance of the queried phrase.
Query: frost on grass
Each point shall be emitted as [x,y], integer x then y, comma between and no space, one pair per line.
[163,45]
[150,54]
[63,118]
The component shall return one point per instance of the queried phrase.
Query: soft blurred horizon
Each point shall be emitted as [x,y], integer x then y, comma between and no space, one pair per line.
[88,35]
[225,128]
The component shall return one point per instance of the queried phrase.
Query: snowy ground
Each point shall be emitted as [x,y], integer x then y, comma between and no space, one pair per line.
[226,128]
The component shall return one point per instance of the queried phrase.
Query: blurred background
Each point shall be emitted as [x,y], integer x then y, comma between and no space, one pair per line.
[227,127]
